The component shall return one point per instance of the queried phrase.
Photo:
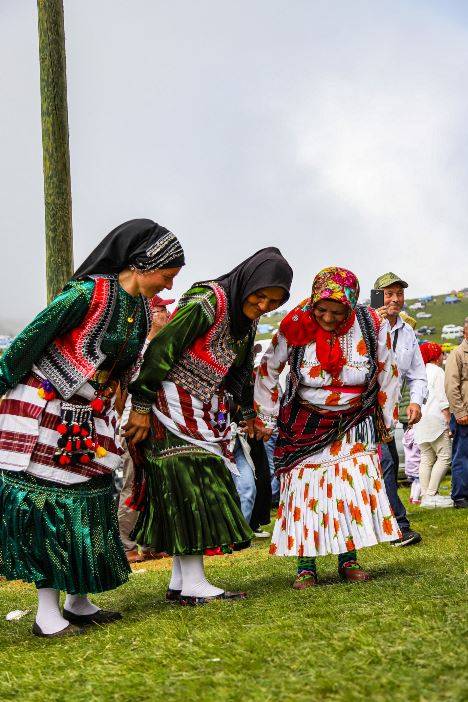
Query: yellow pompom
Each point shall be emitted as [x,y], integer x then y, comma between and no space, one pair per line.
[41,393]
[101,452]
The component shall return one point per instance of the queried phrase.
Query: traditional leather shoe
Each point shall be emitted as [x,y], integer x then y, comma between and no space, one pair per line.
[352,572]
[134,556]
[185,600]
[305,579]
[102,616]
[173,595]
[70,630]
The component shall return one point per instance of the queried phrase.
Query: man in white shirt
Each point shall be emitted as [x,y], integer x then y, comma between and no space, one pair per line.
[412,369]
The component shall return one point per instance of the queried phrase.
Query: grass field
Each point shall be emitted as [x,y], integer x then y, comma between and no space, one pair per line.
[401,637]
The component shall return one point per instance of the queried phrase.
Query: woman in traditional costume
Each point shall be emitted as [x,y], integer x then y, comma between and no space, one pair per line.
[57,428]
[339,403]
[203,356]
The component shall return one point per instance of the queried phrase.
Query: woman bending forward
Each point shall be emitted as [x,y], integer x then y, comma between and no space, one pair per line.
[58,524]
[204,354]
[340,402]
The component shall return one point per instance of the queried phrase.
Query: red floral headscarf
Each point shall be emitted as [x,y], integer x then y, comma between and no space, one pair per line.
[430,351]
[300,326]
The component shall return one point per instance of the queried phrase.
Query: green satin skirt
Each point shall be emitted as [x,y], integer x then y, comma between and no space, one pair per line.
[64,537]
[191,502]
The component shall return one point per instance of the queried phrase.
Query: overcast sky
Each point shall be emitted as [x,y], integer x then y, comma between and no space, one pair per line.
[336,130]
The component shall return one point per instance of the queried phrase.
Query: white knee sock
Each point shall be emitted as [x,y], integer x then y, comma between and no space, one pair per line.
[49,617]
[176,575]
[194,582]
[79,604]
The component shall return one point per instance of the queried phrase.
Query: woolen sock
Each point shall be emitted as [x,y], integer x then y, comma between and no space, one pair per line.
[49,617]
[346,557]
[194,582]
[175,582]
[306,563]
[79,604]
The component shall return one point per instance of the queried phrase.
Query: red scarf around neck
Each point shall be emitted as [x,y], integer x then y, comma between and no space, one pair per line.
[301,328]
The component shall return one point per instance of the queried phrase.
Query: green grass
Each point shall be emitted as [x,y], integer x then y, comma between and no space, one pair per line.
[401,637]
[441,315]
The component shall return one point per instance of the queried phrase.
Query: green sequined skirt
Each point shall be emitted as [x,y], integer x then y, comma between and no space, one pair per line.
[191,501]
[63,537]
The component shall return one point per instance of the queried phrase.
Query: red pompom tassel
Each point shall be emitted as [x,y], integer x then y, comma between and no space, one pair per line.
[85,458]
[97,405]
[64,460]
[75,429]
[68,446]
[89,443]
[84,432]
[62,428]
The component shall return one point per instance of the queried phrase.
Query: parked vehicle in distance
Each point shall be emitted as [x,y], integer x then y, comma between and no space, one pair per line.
[426,330]
[416,306]
[452,335]
[451,300]
[452,328]
[423,315]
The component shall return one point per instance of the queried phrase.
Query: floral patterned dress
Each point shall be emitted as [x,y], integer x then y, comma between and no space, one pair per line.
[334,501]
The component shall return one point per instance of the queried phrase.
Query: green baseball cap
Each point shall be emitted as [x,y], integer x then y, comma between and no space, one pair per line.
[387,279]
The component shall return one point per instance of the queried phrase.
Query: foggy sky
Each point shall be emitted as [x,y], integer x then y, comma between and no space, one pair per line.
[335,130]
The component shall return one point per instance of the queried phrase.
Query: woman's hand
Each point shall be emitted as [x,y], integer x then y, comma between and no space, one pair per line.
[137,428]
[263,433]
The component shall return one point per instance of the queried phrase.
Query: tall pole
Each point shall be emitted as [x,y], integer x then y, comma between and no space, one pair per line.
[56,154]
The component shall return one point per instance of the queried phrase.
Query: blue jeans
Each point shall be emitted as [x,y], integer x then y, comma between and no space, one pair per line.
[275,483]
[245,482]
[391,488]
[459,460]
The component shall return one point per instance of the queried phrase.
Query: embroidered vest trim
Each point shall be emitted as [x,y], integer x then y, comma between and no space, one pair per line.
[203,366]
[72,359]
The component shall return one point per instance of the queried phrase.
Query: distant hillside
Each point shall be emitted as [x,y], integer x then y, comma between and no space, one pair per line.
[440,315]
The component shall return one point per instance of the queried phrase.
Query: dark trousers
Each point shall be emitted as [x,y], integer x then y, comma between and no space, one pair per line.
[459,460]
[390,474]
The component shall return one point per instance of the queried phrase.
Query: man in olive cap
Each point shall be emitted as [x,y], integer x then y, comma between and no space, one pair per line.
[411,369]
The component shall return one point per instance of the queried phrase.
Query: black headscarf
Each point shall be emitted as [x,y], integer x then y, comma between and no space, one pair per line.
[265,269]
[140,244]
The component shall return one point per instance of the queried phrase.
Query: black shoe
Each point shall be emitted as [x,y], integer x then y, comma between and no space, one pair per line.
[173,595]
[461,504]
[102,616]
[408,538]
[185,600]
[70,630]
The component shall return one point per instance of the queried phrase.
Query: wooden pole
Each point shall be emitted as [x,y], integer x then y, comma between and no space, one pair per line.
[56,154]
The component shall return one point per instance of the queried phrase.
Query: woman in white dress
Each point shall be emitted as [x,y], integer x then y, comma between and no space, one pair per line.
[339,404]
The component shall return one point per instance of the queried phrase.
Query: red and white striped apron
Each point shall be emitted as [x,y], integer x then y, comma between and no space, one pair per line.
[28,436]
[194,421]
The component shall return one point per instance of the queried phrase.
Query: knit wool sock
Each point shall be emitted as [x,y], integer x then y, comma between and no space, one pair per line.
[306,563]
[194,582]
[346,558]
[49,617]
[79,604]
[176,575]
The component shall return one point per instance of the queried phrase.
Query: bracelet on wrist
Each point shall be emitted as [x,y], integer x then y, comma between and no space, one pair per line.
[140,406]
